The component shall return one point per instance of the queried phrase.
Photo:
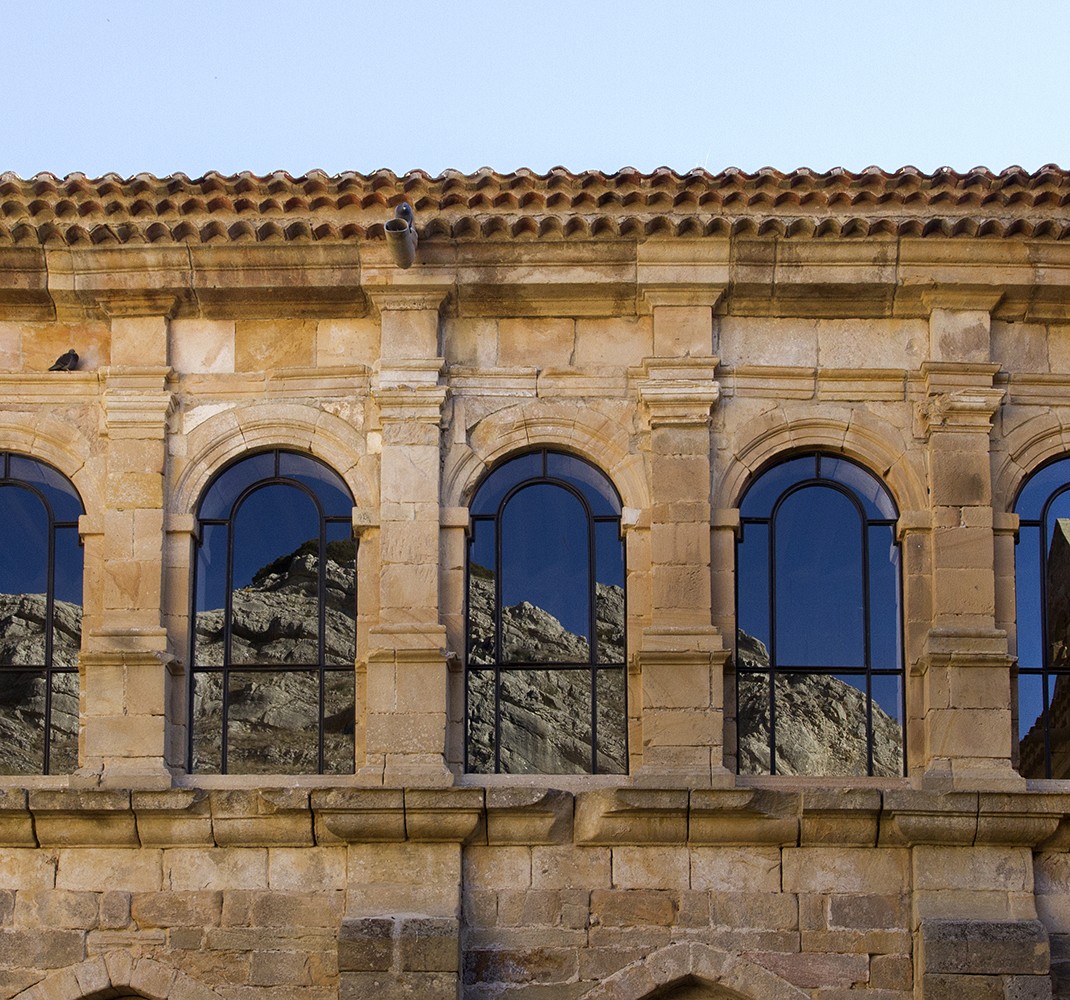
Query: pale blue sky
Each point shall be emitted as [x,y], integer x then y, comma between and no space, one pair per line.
[162,87]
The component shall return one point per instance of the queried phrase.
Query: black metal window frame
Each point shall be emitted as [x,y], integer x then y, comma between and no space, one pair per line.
[592,666]
[864,669]
[48,669]
[321,667]
[1045,671]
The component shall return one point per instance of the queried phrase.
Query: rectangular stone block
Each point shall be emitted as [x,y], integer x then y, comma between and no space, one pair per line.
[756,910]
[980,947]
[651,868]
[300,868]
[176,909]
[27,868]
[96,869]
[972,868]
[202,345]
[54,908]
[571,868]
[541,965]
[632,907]
[497,867]
[736,869]
[398,986]
[845,869]
[261,345]
[41,948]
[366,944]
[539,342]
[216,868]
[429,945]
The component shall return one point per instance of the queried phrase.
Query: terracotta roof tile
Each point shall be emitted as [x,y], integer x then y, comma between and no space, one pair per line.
[278,207]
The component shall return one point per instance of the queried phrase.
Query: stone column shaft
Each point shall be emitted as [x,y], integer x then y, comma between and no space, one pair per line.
[682,656]
[406,679]
[965,667]
[126,664]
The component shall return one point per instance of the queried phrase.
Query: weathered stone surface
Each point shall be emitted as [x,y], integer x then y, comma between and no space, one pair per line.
[979,947]
[914,324]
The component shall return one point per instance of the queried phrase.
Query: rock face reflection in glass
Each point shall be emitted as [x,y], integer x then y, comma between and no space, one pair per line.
[818,648]
[40,618]
[546,620]
[1042,599]
[273,685]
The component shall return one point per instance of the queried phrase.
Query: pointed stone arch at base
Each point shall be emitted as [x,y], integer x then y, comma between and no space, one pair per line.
[118,974]
[693,971]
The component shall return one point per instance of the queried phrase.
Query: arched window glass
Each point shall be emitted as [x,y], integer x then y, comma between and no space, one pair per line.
[819,660]
[272,684]
[1042,589]
[40,618]
[545,621]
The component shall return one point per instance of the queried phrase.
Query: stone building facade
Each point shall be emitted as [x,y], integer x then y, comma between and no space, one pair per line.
[684,336]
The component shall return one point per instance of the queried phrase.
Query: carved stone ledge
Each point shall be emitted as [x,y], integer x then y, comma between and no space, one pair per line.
[1019,819]
[846,817]
[740,816]
[365,815]
[16,820]
[179,817]
[279,817]
[451,815]
[83,818]
[631,816]
[912,817]
[528,816]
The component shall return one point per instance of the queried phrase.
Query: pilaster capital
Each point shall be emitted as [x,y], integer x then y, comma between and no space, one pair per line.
[963,411]
[961,299]
[964,648]
[136,402]
[364,520]
[418,297]
[650,296]
[913,522]
[139,303]
[407,373]
[725,519]
[679,391]
[410,402]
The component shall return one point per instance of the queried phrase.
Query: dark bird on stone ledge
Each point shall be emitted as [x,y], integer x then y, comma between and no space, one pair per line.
[66,362]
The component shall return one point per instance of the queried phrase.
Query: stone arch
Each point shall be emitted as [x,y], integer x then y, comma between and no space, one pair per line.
[1028,446]
[117,974]
[694,971]
[868,441]
[602,439]
[240,431]
[62,445]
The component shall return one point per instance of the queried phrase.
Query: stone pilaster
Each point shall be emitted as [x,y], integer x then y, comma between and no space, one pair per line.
[964,666]
[682,655]
[126,662]
[406,678]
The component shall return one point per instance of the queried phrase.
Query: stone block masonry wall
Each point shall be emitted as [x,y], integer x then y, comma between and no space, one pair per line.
[683,334]
[488,894]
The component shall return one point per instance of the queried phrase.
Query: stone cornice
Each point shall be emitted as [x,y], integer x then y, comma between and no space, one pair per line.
[736,275]
[777,813]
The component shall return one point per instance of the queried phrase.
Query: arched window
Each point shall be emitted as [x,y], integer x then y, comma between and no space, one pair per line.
[545,621]
[40,618]
[272,684]
[819,662]
[1042,590]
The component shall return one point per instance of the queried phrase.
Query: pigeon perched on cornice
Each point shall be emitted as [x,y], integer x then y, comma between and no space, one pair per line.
[404,212]
[66,362]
